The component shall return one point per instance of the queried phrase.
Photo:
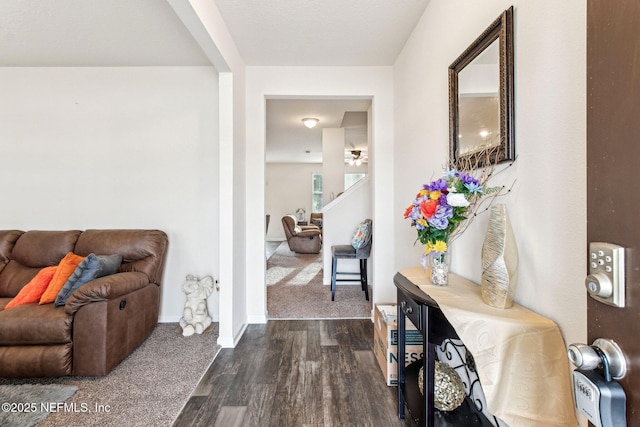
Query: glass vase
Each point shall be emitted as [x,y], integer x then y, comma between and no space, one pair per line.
[439,268]
[436,267]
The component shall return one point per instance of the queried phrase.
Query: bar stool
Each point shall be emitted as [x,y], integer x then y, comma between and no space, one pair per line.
[360,249]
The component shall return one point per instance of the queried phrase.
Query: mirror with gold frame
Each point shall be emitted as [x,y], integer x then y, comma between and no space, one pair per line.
[481,102]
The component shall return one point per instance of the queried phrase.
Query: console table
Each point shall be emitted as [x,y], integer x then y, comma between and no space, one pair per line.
[520,356]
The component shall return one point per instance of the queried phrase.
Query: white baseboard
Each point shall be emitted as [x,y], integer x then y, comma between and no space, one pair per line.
[176,319]
[231,342]
[257,319]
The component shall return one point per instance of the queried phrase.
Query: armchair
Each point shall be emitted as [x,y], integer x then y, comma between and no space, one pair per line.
[302,239]
[316,219]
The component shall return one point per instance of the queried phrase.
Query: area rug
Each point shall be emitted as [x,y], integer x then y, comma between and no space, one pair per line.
[25,405]
[149,388]
[295,290]
[288,267]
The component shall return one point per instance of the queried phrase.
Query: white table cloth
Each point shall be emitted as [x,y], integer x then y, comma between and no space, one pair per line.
[520,355]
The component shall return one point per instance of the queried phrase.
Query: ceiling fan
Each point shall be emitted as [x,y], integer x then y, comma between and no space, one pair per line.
[357,158]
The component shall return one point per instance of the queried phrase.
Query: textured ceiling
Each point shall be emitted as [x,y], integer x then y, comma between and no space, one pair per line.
[119,33]
[326,32]
[86,33]
[50,33]
[288,140]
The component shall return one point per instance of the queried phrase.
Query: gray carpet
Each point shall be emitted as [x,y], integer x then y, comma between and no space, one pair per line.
[149,388]
[295,290]
[25,405]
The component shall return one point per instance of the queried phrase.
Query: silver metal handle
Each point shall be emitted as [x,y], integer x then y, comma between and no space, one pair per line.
[583,356]
[586,356]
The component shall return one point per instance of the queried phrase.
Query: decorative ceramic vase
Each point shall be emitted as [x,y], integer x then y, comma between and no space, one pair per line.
[499,260]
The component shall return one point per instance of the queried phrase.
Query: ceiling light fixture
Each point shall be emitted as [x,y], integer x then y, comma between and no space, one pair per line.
[310,122]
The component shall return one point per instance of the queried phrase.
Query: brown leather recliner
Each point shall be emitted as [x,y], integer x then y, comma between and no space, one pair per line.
[101,323]
[315,218]
[306,239]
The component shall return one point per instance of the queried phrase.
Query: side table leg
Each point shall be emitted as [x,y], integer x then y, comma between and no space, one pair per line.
[428,361]
[401,350]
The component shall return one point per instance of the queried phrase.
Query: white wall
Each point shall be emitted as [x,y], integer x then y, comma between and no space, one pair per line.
[548,205]
[287,188]
[340,219]
[203,20]
[116,148]
[332,82]
[333,167]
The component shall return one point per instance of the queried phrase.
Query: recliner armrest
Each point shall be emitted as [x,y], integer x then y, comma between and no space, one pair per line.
[105,288]
[309,233]
[309,227]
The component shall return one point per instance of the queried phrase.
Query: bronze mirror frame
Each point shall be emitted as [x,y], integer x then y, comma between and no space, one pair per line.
[502,30]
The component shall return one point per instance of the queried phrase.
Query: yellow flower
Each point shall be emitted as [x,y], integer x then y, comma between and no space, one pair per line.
[423,193]
[422,222]
[440,246]
[435,195]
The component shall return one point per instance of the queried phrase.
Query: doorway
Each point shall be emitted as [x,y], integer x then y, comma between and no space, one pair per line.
[294,176]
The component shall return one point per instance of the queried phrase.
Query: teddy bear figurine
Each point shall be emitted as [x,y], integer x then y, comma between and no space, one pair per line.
[195,316]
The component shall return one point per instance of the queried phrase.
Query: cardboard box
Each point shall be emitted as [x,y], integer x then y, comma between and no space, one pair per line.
[385,344]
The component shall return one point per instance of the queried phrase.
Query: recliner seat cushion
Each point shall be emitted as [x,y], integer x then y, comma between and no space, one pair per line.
[32,324]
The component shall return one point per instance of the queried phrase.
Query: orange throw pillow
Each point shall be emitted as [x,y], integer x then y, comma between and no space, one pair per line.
[32,291]
[66,267]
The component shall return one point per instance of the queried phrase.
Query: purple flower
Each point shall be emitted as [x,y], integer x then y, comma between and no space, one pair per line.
[439,223]
[467,179]
[439,185]
[444,212]
[415,213]
[441,218]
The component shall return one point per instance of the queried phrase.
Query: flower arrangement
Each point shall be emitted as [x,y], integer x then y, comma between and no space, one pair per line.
[444,208]
[441,206]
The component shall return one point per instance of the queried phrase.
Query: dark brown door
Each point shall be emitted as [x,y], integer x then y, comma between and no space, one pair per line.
[613,170]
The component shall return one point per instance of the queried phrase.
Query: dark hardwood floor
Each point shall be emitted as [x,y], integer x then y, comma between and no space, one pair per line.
[295,373]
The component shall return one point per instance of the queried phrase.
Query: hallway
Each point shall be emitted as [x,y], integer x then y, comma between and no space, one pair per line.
[295,373]
[295,289]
